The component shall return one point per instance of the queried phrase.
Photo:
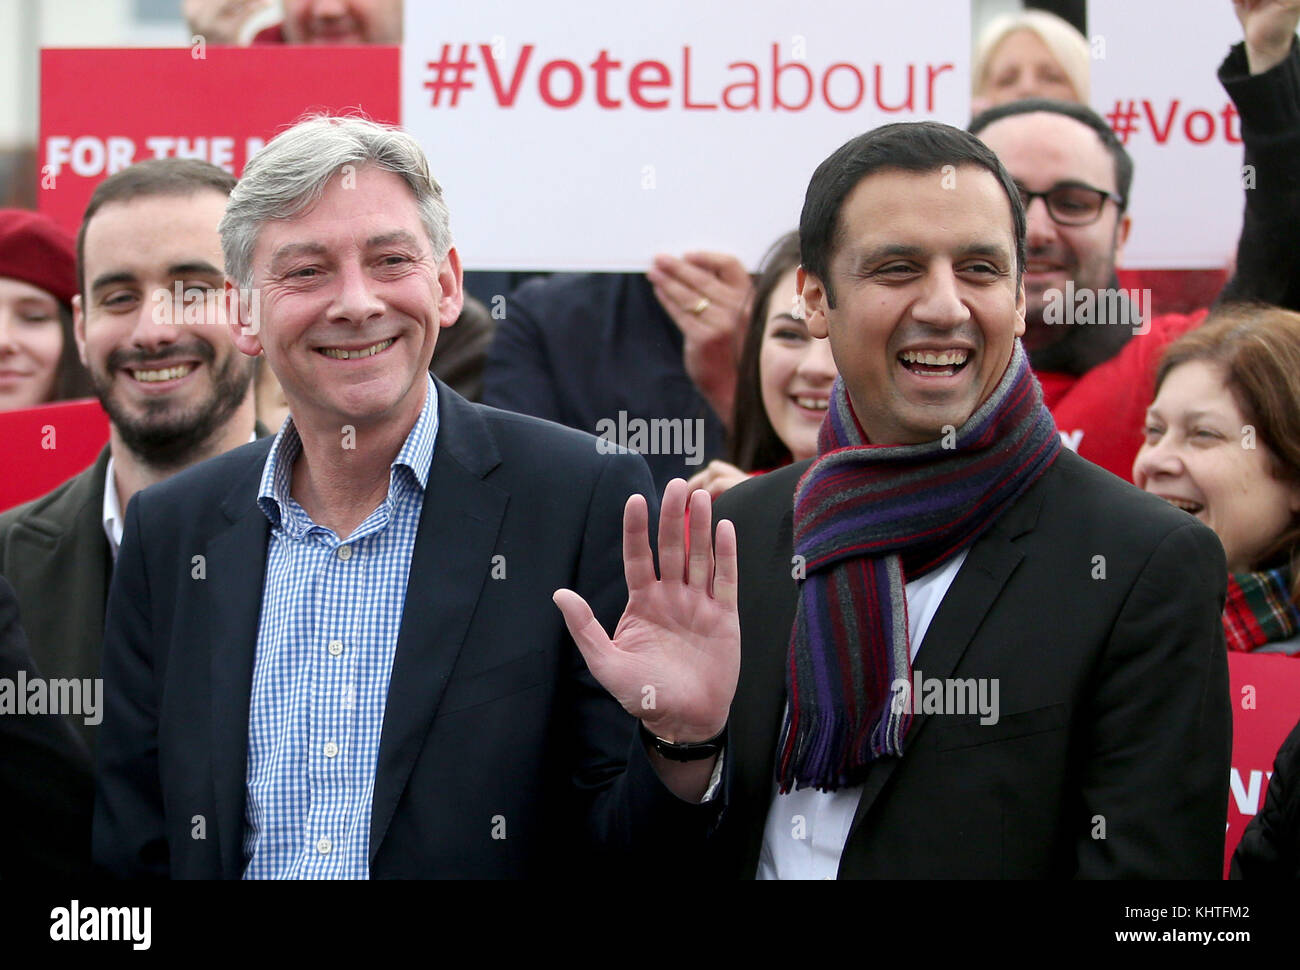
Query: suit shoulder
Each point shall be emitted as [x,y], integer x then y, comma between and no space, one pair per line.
[1098,498]
[571,307]
[56,509]
[522,434]
[209,481]
[566,289]
[759,499]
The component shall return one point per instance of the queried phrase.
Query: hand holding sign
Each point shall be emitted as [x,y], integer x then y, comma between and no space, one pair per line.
[1269,27]
[707,295]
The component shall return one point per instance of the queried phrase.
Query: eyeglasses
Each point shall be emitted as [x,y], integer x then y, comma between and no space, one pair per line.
[1071,203]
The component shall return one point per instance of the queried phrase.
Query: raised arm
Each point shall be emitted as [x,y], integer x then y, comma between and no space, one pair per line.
[1262,76]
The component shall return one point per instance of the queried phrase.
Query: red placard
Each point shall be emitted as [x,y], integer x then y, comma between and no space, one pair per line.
[1265,707]
[102,110]
[47,445]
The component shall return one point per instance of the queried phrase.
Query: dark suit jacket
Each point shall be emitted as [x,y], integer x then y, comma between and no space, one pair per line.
[45,783]
[1113,693]
[490,711]
[53,551]
[578,348]
[1269,850]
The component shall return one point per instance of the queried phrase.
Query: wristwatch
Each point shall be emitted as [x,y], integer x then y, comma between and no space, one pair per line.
[690,751]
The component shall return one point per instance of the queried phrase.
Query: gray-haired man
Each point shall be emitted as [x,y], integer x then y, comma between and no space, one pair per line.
[335,654]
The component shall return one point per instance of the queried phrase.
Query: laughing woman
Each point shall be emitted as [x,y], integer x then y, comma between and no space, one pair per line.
[1223,443]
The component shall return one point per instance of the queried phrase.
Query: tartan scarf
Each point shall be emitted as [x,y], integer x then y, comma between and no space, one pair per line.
[867,518]
[1259,609]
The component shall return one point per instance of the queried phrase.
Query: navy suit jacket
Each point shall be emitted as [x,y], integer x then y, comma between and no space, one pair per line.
[578,348]
[493,725]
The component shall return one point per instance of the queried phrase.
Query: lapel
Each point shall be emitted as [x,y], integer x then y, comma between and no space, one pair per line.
[979,583]
[760,693]
[230,603]
[57,544]
[450,563]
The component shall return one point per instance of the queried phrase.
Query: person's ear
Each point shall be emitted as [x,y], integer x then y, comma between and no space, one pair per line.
[451,281]
[1020,308]
[244,318]
[816,304]
[1122,229]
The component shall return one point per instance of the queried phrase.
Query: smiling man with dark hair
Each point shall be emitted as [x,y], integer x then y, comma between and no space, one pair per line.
[162,363]
[945,553]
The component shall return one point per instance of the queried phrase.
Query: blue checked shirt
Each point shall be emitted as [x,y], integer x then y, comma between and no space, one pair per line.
[331,611]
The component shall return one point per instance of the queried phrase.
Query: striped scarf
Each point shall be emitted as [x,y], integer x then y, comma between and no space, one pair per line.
[1259,609]
[867,518]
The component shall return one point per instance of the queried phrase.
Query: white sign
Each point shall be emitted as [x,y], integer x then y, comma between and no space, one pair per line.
[577,136]
[1154,79]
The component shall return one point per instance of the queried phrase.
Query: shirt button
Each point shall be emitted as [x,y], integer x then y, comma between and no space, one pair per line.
[331,749]
[335,647]
[345,553]
[324,846]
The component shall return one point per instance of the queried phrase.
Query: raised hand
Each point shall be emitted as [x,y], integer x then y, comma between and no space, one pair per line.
[675,657]
[1268,26]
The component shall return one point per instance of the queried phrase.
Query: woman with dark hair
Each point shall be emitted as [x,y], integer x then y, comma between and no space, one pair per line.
[784,382]
[38,278]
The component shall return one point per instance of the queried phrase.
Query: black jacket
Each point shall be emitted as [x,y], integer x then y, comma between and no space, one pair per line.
[1113,744]
[45,784]
[1270,846]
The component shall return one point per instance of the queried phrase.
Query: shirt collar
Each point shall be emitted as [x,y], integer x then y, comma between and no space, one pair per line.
[112,511]
[416,456]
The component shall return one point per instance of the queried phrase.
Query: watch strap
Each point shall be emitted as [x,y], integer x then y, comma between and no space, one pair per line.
[688,751]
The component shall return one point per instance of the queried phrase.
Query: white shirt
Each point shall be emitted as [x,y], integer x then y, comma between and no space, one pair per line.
[806,829]
[112,511]
[112,515]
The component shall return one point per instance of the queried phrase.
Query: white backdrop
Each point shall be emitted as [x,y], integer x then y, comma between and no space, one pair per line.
[1162,56]
[607,182]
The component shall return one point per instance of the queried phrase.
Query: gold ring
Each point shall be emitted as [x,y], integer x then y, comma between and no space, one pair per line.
[701,306]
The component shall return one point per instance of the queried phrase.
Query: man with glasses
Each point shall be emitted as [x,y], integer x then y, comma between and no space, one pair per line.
[1093,345]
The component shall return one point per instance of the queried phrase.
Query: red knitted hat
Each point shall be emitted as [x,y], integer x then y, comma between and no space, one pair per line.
[37,250]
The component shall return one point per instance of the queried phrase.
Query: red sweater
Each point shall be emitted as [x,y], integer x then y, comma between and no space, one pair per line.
[1100,414]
